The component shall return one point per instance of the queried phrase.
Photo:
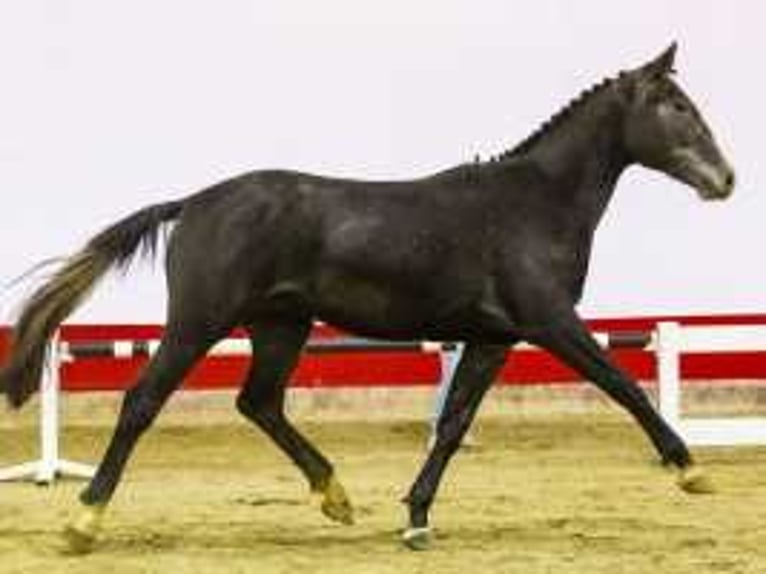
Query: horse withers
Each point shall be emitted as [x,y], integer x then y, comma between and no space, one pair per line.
[490,253]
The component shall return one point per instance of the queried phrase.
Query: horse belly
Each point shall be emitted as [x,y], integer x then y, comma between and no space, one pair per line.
[371,307]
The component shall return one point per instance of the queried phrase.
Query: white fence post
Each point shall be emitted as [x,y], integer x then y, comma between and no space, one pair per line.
[667,350]
[49,466]
[50,387]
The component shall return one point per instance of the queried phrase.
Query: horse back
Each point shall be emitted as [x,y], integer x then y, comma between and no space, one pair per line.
[377,257]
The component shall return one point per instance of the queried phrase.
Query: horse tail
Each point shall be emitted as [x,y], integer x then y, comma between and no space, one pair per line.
[54,301]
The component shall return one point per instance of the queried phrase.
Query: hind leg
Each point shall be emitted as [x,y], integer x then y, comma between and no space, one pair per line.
[276,345]
[475,373]
[141,404]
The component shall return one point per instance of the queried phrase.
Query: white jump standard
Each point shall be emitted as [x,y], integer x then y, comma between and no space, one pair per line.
[50,465]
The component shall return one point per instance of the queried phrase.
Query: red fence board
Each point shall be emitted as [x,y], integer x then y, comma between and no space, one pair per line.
[397,368]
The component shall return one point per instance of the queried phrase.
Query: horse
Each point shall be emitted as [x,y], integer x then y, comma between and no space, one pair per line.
[489,252]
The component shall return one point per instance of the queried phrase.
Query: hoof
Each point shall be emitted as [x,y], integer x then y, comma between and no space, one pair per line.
[81,534]
[77,541]
[335,504]
[695,481]
[417,538]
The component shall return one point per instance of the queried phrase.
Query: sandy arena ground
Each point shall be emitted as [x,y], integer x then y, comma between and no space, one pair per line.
[566,492]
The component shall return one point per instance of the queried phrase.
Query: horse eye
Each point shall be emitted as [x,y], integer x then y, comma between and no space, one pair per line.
[680,107]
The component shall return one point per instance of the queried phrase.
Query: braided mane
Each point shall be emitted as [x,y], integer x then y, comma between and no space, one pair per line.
[556,120]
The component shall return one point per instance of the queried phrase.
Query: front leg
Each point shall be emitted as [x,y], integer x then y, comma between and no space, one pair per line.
[566,336]
[475,373]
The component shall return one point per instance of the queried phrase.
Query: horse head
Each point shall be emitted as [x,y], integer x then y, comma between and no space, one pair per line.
[665,131]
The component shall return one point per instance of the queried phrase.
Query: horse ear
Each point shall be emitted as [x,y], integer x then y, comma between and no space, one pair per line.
[662,65]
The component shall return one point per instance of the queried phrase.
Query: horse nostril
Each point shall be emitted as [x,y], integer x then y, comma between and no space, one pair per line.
[729,181]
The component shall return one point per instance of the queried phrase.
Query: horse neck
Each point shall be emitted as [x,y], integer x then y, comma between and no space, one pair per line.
[582,158]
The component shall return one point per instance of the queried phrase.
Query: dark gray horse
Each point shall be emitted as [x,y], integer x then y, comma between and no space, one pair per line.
[489,253]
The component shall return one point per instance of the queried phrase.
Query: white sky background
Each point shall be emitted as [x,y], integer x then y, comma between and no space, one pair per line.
[108,106]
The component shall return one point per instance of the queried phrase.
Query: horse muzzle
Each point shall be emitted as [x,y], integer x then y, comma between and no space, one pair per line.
[713,181]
